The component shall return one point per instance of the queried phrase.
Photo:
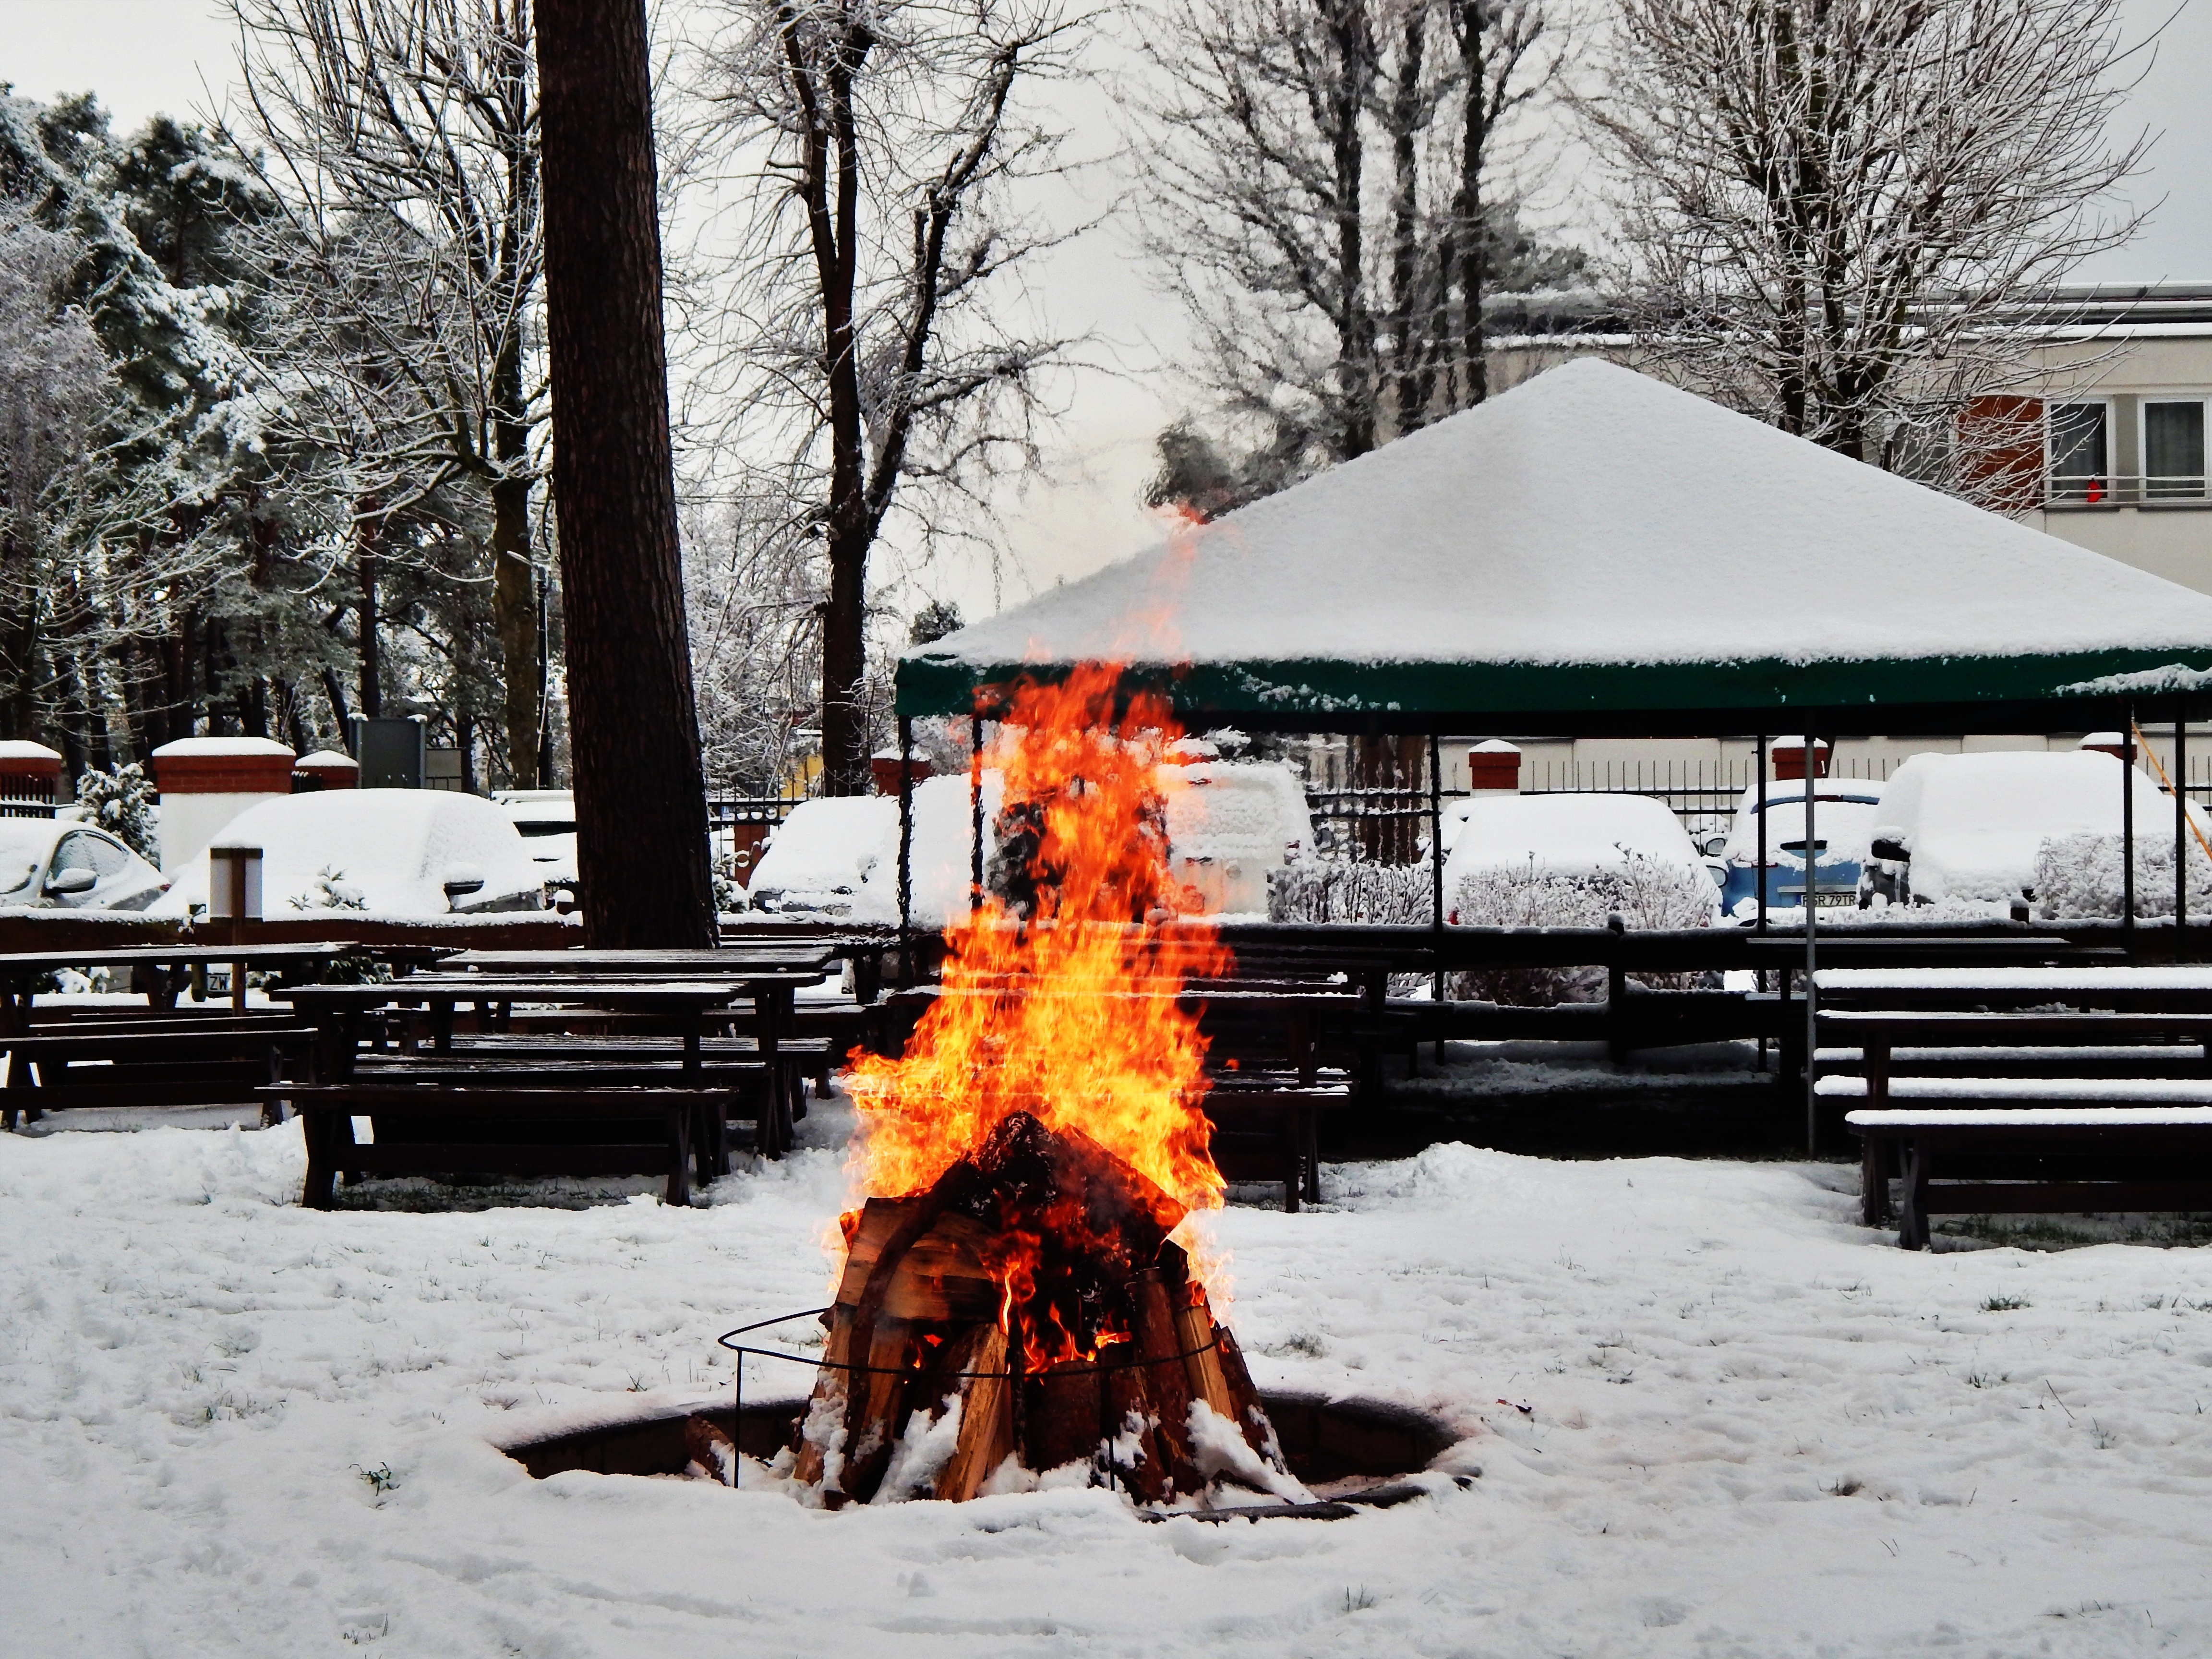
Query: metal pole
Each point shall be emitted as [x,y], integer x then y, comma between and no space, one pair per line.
[1758,796]
[2128,823]
[975,810]
[1812,894]
[906,845]
[2180,824]
[1436,875]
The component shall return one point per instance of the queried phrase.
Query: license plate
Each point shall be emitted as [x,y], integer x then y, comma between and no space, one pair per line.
[1834,901]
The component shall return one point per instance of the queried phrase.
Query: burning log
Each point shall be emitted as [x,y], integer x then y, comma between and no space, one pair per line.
[1033,1288]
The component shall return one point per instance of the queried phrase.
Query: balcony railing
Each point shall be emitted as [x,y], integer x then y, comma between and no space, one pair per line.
[2125,489]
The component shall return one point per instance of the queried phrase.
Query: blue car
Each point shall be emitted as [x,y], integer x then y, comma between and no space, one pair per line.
[1843,821]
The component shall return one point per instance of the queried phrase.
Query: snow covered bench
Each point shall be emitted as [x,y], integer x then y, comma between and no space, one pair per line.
[2004,1150]
[437,1130]
[179,1064]
[2156,990]
[1266,1128]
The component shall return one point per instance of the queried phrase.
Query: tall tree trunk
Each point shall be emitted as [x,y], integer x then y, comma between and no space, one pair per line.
[1406,332]
[515,615]
[1470,211]
[634,730]
[1353,45]
[372,648]
[514,581]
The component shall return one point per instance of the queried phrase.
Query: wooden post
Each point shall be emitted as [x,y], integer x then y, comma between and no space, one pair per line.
[2128,824]
[975,810]
[906,848]
[1437,880]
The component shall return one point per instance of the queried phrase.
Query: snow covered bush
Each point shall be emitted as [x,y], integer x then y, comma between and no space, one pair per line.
[120,801]
[329,890]
[1342,889]
[2078,877]
[1643,890]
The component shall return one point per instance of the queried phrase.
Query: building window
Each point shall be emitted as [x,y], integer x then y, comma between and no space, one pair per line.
[2081,470]
[2173,449]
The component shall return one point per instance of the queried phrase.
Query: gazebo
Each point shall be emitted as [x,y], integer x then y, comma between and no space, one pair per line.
[1596,553]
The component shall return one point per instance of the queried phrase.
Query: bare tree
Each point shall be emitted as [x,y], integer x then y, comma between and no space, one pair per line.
[1327,201]
[403,138]
[1829,205]
[870,343]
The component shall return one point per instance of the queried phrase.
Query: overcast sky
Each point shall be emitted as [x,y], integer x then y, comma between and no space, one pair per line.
[144,56]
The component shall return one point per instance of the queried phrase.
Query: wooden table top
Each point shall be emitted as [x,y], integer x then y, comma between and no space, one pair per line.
[442,989]
[41,961]
[749,958]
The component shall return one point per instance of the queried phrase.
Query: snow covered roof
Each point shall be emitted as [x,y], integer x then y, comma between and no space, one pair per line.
[1594,541]
[327,760]
[187,747]
[21,748]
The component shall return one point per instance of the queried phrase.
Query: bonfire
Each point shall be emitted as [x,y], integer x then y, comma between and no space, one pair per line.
[1024,1293]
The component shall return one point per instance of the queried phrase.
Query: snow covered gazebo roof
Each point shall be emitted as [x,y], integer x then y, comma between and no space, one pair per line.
[1591,545]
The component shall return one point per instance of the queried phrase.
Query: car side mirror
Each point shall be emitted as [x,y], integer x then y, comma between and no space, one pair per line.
[1713,845]
[79,880]
[462,888]
[1890,850]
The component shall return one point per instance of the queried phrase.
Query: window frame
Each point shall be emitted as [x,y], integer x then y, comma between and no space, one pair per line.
[2204,401]
[2052,498]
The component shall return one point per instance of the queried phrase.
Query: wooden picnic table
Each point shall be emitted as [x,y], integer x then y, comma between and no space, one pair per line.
[22,970]
[337,1009]
[746,956]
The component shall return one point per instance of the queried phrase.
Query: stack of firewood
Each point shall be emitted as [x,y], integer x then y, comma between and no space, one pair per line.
[1033,1290]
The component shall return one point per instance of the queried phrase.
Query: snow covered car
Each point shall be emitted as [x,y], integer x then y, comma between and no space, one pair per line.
[818,859]
[546,819]
[1573,859]
[1968,827]
[58,865]
[1842,823]
[1229,822]
[389,852]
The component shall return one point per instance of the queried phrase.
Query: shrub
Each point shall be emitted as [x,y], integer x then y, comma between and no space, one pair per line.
[2078,877]
[1342,889]
[119,801]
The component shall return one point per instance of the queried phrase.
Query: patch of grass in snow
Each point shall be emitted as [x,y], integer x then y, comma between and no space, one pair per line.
[1987,1379]
[434,1195]
[2004,1303]
[1846,1486]
[2068,1232]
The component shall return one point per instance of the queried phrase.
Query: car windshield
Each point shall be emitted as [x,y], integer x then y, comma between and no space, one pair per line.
[532,827]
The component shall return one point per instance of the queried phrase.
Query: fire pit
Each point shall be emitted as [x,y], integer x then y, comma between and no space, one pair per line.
[1354,1454]
[1027,1294]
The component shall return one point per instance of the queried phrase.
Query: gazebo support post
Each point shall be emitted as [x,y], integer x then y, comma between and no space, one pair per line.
[906,851]
[2180,826]
[1758,797]
[1811,898]
[1436,878]
[975,811]
[2128,823]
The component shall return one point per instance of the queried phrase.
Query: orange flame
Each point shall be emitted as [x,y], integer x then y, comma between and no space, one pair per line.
[1065,1006]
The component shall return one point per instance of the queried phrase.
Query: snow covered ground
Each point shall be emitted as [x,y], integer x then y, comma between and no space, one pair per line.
[1713,1418]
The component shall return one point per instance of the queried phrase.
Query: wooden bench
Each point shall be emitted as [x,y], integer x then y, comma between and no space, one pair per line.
[509,1131]
[66,1071]
[1981,1160]
[1266,1128]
